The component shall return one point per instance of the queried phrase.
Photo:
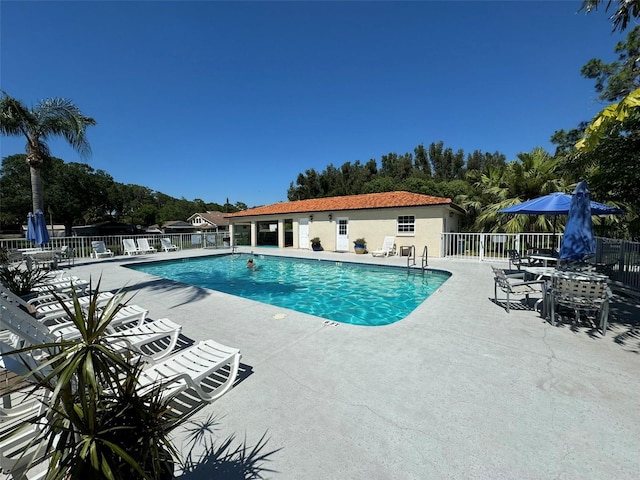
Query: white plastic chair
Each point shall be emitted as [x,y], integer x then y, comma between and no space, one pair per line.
[167,245]
[388,248]
[100,250]
[130,247]
[144,247]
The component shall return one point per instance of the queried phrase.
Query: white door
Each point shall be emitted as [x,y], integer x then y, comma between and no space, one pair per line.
[342,234]
[303,233]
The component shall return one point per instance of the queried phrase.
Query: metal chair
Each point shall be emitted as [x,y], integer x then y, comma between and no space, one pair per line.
[516,259]
[66,254]
[506,284]
[581,292]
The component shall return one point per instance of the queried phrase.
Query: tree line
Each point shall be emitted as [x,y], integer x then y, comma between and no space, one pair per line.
[76,194]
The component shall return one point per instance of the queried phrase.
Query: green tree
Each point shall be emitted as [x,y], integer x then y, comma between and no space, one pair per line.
[15,196]
[621,77]
[74,192]
[308,186]
[625,10]
[421,161]
[398,167]
[534,174]
[52,117]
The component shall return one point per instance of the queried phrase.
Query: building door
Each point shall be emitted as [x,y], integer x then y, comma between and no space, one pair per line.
[342,234]
[303,233]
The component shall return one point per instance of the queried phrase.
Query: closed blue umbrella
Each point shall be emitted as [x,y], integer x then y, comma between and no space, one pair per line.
[578,241]
[31,227]
[41,232]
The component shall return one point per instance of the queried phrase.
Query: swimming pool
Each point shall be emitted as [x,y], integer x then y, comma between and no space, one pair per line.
[344,292]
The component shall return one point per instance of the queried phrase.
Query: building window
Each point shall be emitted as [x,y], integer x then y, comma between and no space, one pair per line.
[406,224]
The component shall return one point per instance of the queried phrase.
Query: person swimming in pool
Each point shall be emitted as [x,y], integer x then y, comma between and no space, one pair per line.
[251,263]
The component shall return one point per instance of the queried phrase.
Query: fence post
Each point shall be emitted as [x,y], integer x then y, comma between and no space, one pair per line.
[482,239]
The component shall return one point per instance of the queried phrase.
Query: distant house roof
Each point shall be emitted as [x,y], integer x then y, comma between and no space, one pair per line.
[215,219]
[350,202]
[177,225]
[103,228]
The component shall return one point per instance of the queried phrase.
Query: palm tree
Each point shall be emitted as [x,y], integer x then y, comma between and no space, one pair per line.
[534,174]
[49,118]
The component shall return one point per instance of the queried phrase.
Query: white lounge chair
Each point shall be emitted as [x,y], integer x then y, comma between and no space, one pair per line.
[185,370]
[47,304]
[100,250]
[127,330]
[144,247]
[388,248]
[21,429]
[63,286]
[189,368]
[130,247]
[167,245]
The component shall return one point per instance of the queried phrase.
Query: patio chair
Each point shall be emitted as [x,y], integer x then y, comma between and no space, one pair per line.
[388,248]
[507,284]
[581,292]
[517,260]
[144,247]
[67,254]
[167,246]
[130,247]
[195,368]
[100,250]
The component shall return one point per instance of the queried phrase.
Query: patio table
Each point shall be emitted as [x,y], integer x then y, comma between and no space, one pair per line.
[542,273]
[544,259]
[48,257]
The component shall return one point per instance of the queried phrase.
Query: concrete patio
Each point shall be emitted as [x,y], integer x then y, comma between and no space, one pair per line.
[458,389]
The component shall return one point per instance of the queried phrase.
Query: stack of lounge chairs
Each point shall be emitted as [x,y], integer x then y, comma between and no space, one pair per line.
[204,370]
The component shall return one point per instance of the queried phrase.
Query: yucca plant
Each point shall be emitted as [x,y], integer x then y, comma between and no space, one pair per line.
[19,280]
[101,425]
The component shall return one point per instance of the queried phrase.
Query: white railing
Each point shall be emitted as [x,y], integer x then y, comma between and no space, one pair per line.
[83,249]
[619,259]
[495,246]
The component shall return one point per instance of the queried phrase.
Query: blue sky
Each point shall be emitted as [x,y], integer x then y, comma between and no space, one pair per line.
[217,100]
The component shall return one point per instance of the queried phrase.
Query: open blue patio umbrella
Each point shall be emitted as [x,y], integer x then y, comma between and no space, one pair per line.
[578,241]
[41,232]
[557,203]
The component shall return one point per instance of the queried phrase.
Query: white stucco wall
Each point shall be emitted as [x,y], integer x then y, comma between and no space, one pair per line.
[373,225]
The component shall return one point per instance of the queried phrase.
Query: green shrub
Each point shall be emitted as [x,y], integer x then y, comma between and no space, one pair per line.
[19,280]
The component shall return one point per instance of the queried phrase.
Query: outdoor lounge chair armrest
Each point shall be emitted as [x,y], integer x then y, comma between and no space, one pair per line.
[528,282]
[47,299]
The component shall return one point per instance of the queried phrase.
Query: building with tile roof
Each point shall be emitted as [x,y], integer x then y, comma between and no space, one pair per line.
[413,219]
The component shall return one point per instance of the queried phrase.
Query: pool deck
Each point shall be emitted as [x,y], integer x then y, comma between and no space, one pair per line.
[458,389]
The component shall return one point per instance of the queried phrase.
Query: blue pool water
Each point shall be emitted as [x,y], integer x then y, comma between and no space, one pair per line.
[343,292]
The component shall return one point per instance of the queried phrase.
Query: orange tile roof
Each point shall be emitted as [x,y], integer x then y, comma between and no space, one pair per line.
[350,202]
